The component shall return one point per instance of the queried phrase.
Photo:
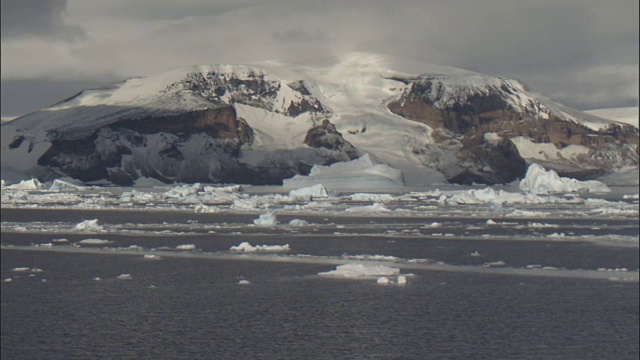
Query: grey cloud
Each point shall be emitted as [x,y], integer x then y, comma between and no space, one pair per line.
[37,18]
[556,47]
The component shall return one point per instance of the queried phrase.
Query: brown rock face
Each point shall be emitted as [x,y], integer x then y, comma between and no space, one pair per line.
[221,123]
[328,137]
[468,120]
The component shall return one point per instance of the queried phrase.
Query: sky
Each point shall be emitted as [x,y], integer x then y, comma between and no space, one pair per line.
[582,53]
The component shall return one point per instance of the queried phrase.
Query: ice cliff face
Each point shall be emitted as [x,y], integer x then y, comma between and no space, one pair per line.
[267,122]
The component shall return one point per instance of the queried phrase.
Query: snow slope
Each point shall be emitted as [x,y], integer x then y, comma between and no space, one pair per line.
[627,115]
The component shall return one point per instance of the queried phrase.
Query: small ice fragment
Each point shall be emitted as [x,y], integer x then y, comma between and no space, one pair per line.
[60,240]
[267,219]
[186,247]
[298,222]
[491,222]
[475,253]
[247,247]
[97,278]
[495,263]
[94,242]
[89,225]
[44,280]
[244,282]
[36,270]
[402,280]
[151,257]
[21,269]
[383,281]
[125,277]
[8,280]
[151,286]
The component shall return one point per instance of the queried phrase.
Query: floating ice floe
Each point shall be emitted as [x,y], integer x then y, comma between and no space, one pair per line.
[267,219]
[244,282]
[494,264]
[89,226]
[60,240]
[33,185]
[373,208]
[357,270]
[631,197]
[94,242]
[21,269]
[309,193]
[247,247]
[125,277]
[540,181]
[362,173]
[62,185]
[186,247]
[475,253]
[147,182]
[151,257]
[298,222]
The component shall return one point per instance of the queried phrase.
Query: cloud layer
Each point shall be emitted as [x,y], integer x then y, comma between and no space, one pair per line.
[583,53]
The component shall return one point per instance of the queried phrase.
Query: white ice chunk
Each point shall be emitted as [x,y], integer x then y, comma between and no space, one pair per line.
[402,280]
[356,270]
[375,207]
[94,242]
[540,181]
[21,269]
[244,282]
[125,277]
[475,253]
[151,257]
[311,192]
[61,185]
[247,247]
[89,225]
[298,222]
[267,219]
[33,184]
[383,280]
[186,247]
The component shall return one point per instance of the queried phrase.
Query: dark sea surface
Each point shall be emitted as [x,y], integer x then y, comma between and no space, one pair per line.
[195,308]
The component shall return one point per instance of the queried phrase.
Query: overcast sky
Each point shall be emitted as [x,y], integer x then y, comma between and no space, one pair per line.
[583,53]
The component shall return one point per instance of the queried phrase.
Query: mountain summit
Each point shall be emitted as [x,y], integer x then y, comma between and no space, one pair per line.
[265,122]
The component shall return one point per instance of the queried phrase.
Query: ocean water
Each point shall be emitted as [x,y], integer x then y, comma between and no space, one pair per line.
[195,308]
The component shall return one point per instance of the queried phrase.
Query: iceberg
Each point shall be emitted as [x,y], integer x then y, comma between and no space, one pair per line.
[362,173]
[355,270]
[540,181]
[267,219]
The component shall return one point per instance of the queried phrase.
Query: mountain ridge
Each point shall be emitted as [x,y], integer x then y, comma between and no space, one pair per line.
[280,119]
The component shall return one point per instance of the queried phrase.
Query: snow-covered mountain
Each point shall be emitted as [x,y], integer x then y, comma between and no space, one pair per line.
[264,122]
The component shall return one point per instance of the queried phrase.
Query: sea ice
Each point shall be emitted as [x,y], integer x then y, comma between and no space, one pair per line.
[94,242]
[89,226]
[33,184]
[402,280]
[375,207]
[186,247]
[247,247]
[356,270]
[540,181]
[244,282]
[309,193]
[298,222]
[383,281]
[61,185]
[151,257]
[21,269]
[267,219]
[125,277]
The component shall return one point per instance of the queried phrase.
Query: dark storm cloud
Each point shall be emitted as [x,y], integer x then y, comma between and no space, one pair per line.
[37,18]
